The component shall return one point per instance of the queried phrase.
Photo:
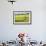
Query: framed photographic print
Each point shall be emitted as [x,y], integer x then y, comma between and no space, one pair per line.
[22,17]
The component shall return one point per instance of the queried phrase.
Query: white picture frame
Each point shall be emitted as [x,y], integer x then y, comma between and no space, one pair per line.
[21,14]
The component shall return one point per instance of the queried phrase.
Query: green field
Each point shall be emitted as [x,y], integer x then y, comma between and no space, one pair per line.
[22,18]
